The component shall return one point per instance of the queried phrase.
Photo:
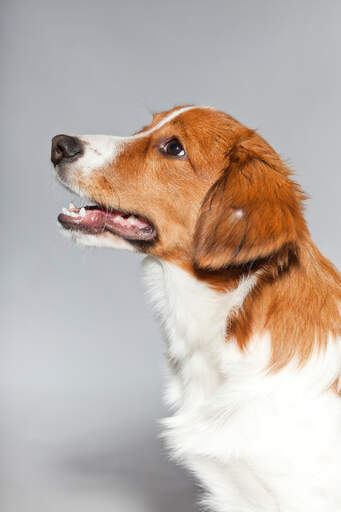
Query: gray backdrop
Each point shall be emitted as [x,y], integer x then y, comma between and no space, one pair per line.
[81,356]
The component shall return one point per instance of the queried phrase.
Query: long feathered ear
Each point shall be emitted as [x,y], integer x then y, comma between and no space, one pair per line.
[252,211]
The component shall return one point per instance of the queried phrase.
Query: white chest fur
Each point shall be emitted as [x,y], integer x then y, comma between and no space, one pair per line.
[256,441]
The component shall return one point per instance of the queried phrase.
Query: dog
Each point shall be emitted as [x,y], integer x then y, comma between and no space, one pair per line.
[250,307]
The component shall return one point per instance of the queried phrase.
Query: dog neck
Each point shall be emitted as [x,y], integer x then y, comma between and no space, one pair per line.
[194,316]
[206,322]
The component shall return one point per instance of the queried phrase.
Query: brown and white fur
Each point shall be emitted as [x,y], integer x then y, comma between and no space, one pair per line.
[250,307]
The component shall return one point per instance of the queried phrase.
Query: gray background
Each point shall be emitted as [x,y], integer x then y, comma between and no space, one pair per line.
[81,356]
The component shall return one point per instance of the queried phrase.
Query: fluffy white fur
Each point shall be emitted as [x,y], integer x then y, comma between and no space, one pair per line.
[256,440]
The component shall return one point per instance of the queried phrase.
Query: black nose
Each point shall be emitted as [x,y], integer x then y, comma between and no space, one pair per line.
[65,148]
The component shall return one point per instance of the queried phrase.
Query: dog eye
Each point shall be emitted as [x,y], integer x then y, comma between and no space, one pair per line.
[173,148]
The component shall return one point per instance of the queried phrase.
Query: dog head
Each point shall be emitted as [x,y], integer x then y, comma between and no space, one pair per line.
[195,186]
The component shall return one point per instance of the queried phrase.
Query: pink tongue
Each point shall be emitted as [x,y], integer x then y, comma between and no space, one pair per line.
[93,218]
[95,221]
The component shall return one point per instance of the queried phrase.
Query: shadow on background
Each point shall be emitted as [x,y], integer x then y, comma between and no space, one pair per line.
[135,472]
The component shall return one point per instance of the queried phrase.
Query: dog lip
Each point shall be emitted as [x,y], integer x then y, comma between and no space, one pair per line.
[95,220]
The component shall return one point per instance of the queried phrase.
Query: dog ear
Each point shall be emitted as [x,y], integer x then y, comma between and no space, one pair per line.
[252,211]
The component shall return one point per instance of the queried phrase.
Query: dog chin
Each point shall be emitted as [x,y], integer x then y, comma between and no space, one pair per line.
[99,240]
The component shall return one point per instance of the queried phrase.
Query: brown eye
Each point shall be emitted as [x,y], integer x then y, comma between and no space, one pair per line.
[173,148]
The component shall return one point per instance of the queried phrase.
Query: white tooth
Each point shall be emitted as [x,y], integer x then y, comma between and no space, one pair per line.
[71,205]
[131,220]
[82,212]
[64,210]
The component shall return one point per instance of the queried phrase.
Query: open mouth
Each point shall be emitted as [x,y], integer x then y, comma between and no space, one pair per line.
[95,220]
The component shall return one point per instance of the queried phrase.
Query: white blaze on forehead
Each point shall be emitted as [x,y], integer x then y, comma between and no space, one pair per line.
[102,150]
[164,121]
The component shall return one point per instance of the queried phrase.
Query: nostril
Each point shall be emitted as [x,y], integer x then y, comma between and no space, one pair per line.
[65,147]
[69,147]
[58,151]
